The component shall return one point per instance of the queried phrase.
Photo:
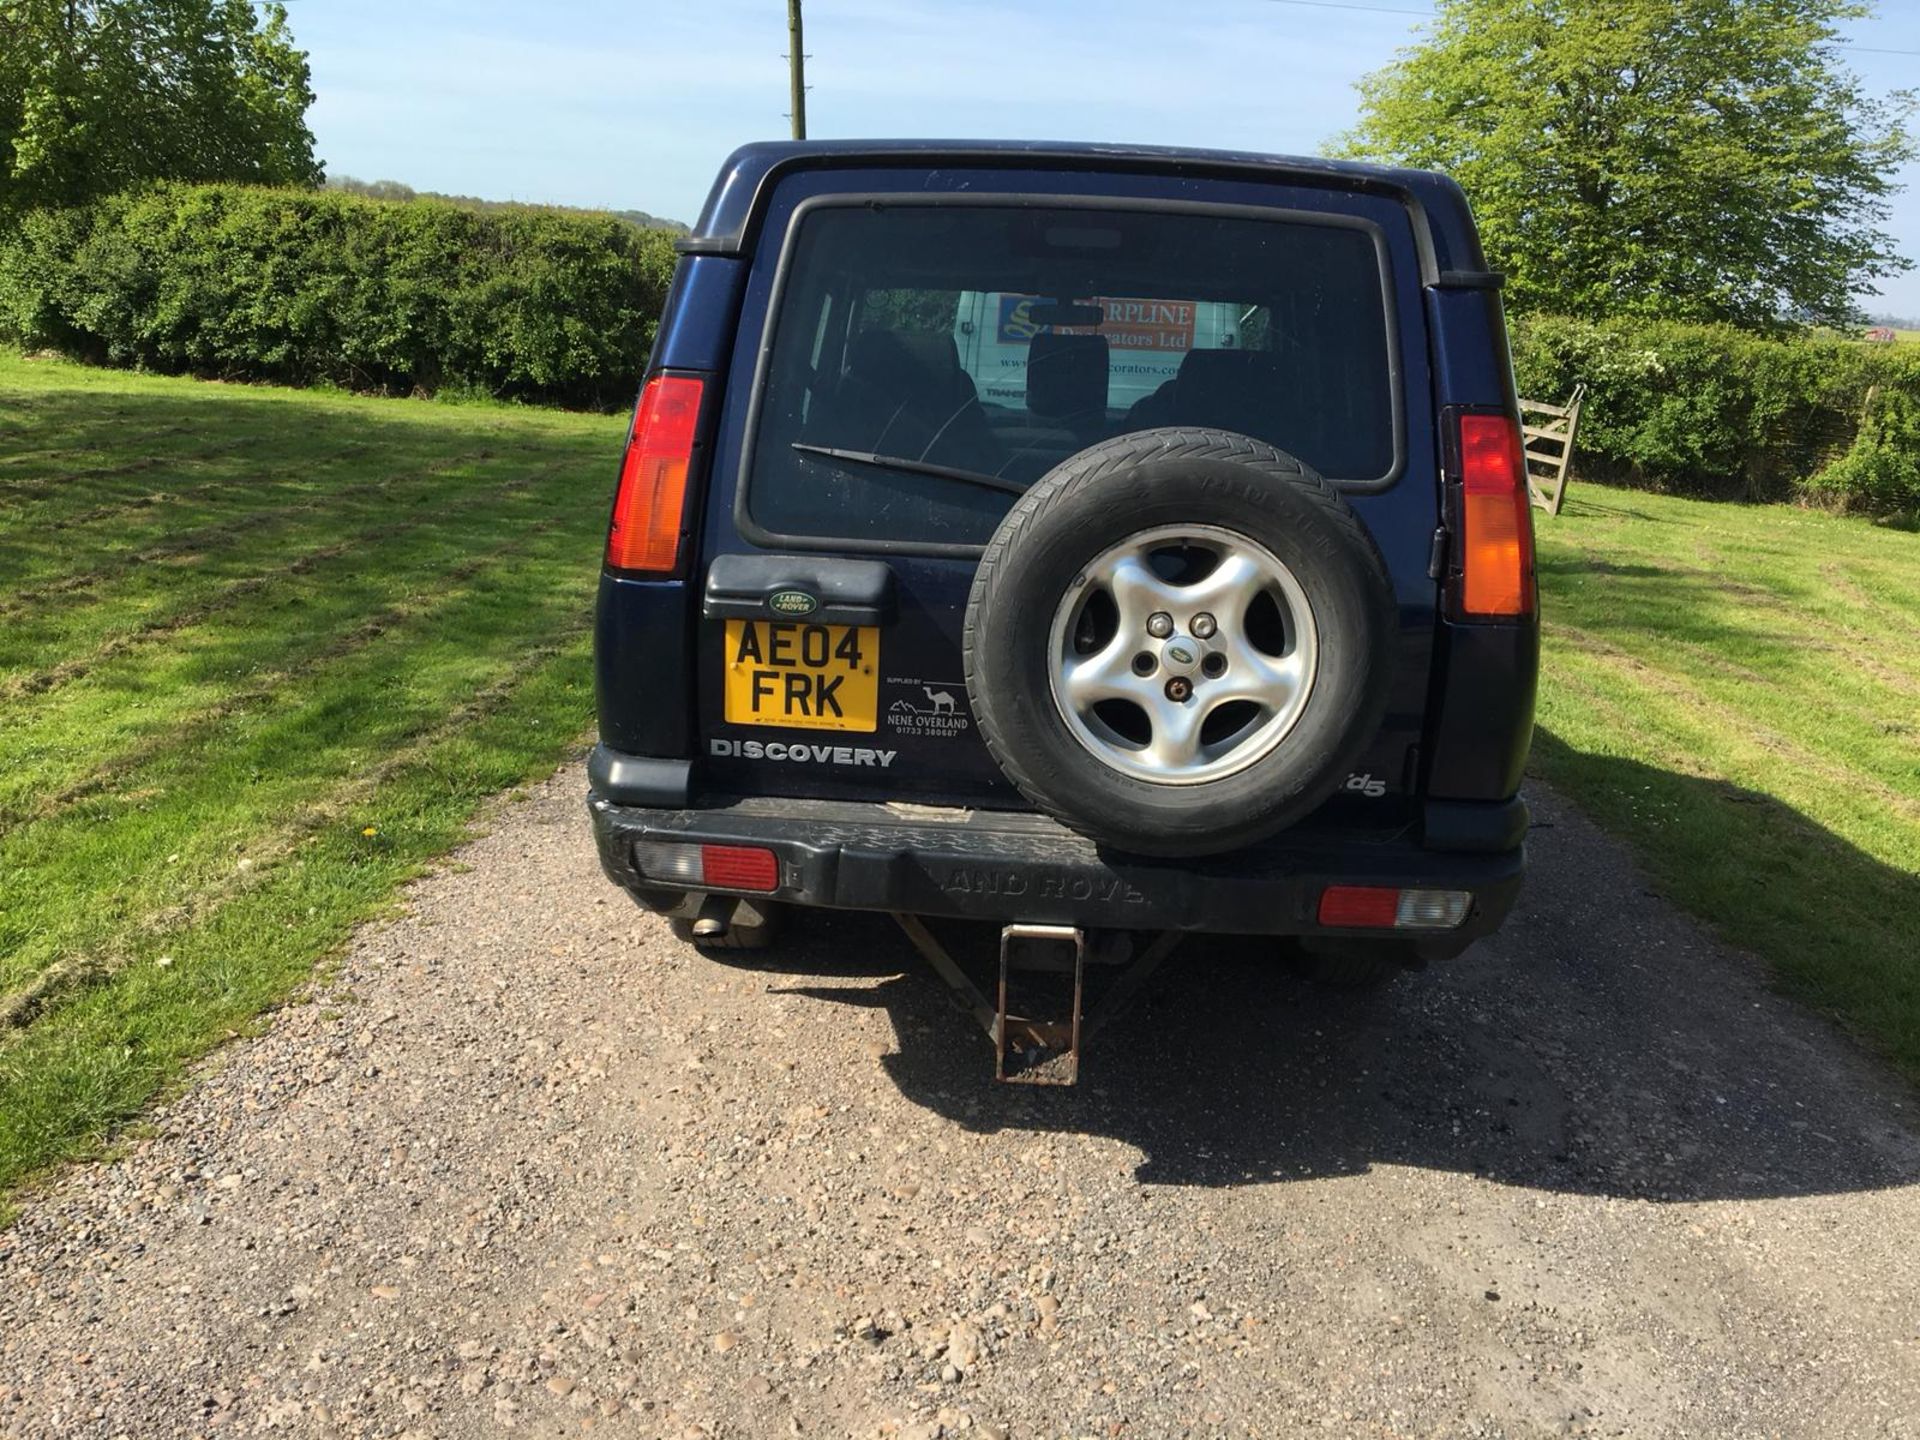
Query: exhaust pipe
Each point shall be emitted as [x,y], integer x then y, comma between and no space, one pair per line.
[714,917]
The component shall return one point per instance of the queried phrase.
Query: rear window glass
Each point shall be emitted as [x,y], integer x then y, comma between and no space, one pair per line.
[998,341]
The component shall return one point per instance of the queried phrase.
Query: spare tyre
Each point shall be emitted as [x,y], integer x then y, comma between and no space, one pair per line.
[1179,641]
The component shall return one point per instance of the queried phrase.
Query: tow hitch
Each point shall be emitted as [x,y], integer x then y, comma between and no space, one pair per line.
[1047,961]
[1030,1051]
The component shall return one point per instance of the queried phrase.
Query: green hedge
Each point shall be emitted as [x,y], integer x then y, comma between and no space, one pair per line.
[302,287]
[306,287]
[1711,411]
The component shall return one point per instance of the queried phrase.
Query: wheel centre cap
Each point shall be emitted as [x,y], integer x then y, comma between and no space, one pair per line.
[1181,654]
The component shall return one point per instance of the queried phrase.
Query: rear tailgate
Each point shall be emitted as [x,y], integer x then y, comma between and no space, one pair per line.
[833,593]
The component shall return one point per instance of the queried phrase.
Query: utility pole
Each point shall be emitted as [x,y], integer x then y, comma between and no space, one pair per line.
[797,70]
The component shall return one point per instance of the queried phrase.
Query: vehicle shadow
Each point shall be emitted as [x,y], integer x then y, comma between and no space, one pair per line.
[1600,1044]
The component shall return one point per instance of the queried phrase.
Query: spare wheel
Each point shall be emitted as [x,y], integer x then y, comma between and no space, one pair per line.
[1179,641]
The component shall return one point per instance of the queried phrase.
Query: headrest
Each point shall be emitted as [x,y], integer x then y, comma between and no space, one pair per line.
[1229,367]
[1066,374]
[936,353]
[904,363]
[878,355]
[1227,389]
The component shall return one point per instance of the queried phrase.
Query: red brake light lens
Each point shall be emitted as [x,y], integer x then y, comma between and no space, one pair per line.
[739,867]
[1359,906]
[651,500]
[1496,519]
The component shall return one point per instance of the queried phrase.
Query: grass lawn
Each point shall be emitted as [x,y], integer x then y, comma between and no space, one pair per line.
[1736,691]
[262,654]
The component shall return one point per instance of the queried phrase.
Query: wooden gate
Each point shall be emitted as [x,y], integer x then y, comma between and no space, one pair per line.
[1549,432]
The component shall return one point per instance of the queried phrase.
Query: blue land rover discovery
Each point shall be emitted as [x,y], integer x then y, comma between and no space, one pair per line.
[1080,539]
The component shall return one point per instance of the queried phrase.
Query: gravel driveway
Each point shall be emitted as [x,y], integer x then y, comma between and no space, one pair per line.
[533,1167]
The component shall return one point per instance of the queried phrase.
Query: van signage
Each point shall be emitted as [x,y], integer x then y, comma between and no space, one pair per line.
[1130,324]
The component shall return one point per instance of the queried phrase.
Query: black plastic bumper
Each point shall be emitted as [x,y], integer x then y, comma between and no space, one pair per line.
[1007,866]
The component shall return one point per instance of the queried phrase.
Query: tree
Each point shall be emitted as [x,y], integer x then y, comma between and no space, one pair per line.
[97,95]
[1695,159]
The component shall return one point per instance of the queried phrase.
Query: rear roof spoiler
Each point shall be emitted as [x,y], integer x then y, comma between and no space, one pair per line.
[1443,232]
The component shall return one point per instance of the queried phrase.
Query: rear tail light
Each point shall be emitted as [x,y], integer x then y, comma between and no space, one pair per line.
[1382,907]
[722,867]
[651,501]
[1496,520]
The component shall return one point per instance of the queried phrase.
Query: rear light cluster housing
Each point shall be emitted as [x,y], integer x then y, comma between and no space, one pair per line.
[709,867]
[1496,519]
[650,506]
[1384,907]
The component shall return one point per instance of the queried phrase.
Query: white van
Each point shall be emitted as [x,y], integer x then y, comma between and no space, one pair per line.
[1146,340]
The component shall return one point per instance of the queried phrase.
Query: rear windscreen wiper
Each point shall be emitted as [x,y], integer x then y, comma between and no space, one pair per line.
[913,467]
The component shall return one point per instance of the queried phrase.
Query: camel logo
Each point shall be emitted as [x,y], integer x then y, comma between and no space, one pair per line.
[929,711]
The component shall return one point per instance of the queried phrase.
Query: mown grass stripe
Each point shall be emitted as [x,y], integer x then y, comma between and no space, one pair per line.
[69,465]
[111,566]
[58,740]
[1798,599]
[1734,739]
[160,518]
[63,457]
[1774,662]
[198,729]
[131,569]
[21,491]
[1809,615]
[1874,589]
[301,475]
[62,977]
[143,511]
[97,1058]
[417,616]
[223,597]
[1865,751]
[200,810]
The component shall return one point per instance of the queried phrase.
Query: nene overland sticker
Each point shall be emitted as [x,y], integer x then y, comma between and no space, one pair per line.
[928,712]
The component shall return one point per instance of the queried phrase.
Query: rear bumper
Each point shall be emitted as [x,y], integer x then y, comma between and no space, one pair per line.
[1006,866]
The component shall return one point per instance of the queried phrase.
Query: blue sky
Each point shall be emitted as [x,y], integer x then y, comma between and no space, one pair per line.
[634,104]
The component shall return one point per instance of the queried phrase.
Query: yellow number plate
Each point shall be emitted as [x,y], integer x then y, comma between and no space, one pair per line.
[803,677]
